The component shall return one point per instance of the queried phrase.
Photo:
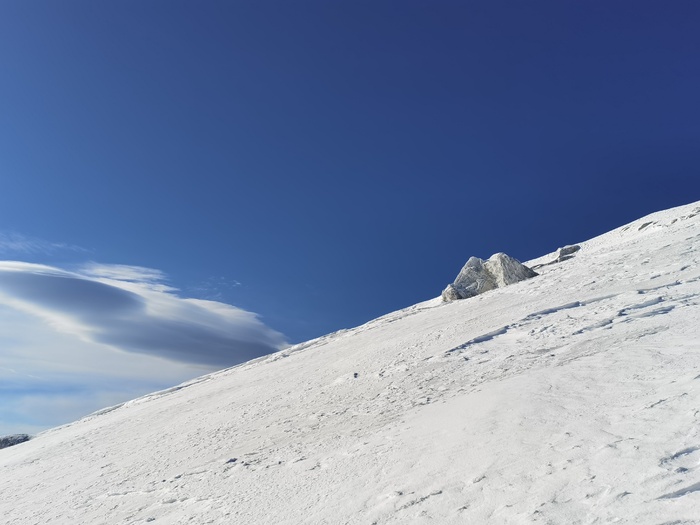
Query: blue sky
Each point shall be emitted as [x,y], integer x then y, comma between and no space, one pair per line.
[317,163]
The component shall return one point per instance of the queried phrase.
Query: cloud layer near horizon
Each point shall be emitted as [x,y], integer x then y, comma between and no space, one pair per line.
[72,342]
[129,308]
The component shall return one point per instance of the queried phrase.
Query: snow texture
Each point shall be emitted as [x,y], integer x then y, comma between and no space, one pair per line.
[572,398]
[479,276]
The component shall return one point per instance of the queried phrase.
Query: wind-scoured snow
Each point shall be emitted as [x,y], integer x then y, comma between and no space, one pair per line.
[569,398]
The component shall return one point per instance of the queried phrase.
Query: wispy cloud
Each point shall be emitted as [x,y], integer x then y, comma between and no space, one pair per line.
[12,243]
[123,272]
[107,333]
[214,288]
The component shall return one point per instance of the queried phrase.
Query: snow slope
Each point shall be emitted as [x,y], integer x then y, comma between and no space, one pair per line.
[572,397]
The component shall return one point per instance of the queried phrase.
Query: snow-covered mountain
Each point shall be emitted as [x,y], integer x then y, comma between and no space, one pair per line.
[571,397]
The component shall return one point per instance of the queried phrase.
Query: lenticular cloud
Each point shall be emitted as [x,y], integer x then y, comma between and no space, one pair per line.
[130,308]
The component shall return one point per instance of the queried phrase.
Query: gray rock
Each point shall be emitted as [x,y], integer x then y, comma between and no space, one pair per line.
[566,252]
[479,276]
[450,293]
[15,439]
[562,254]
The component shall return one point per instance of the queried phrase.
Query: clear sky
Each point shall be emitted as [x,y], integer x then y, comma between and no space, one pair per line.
[169,168]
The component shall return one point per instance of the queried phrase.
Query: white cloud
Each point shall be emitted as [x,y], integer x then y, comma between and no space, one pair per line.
[214,288]
[115,273]
[103,334]
[15,243]
[129,309]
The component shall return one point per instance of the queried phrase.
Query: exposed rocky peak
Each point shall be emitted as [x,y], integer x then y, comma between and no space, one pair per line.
[479,276]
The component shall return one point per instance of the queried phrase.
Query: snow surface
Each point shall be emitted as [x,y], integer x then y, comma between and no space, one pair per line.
[572,397]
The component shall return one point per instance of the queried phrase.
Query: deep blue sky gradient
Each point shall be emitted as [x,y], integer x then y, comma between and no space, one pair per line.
[340,159]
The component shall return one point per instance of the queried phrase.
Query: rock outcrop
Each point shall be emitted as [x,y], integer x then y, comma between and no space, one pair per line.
[15,439]
[566,252]
[479,276]
[562,254]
